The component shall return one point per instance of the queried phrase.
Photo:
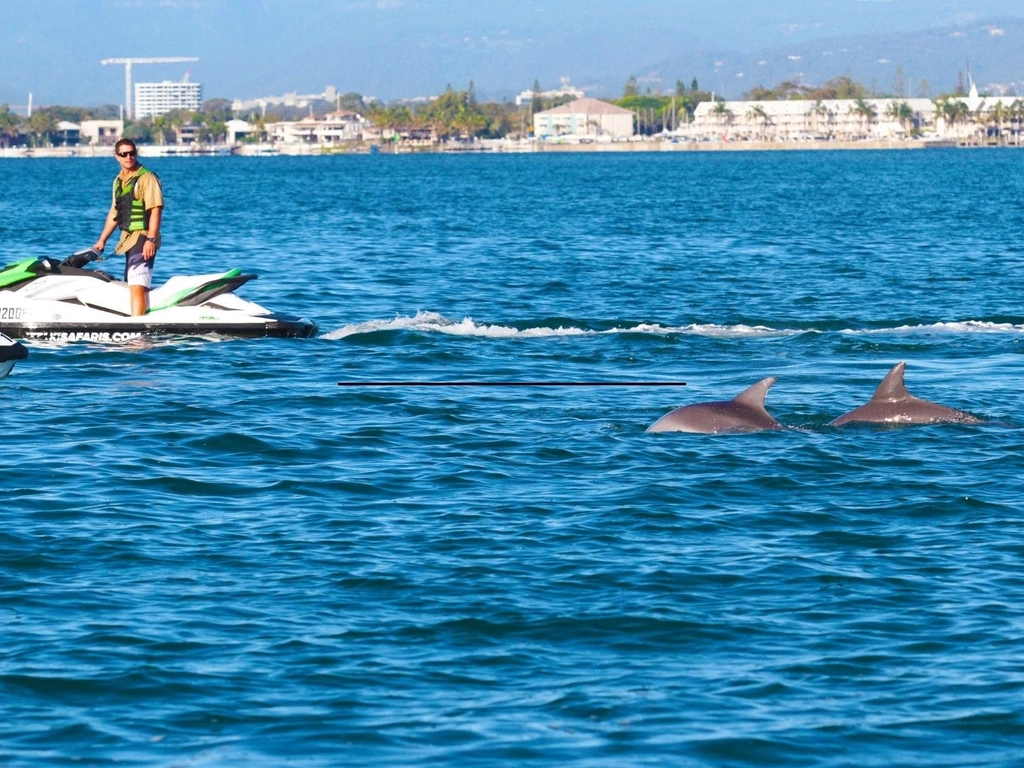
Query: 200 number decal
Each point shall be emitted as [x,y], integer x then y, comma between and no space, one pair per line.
[12,313]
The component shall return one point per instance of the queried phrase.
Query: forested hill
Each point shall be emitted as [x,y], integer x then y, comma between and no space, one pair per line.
[992,49]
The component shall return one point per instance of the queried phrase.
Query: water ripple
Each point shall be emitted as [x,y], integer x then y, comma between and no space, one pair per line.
[214,555]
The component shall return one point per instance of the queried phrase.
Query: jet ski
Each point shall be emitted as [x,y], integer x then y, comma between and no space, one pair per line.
[10,353]
[50,299]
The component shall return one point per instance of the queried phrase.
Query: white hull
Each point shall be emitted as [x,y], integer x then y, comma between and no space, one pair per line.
[72,304]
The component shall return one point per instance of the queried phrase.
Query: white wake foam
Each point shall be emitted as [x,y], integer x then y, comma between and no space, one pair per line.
[433,322]
[962,326]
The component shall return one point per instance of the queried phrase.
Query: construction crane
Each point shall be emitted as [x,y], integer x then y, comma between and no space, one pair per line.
[128,73]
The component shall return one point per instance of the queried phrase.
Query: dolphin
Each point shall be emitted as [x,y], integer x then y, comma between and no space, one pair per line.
[744,413]
[892,404]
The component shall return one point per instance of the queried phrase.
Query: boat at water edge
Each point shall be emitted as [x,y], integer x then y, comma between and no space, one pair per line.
[44,298]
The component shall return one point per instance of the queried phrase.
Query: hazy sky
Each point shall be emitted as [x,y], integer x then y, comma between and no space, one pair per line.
[402,48]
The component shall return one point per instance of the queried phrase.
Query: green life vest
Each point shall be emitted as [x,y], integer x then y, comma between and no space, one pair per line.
[132,215]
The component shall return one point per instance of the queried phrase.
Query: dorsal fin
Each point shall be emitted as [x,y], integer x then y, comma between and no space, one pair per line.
[892,386]
[753,396]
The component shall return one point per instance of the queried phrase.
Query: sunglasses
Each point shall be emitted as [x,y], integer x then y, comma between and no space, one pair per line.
[129,153]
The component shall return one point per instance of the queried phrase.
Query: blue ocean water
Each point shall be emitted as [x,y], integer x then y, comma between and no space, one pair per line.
[211,554]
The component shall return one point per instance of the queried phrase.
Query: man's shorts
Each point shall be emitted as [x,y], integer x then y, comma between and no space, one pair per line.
[137,270]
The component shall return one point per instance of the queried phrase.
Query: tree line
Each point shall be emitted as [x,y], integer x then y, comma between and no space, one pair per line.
[460,114]
[41,129]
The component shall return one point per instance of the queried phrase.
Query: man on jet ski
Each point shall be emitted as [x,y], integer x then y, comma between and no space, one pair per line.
[137,207]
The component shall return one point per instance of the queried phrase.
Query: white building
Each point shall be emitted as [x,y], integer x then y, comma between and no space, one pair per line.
[235,130]
[68,134]
[334,128]
[101,132]
[976,115]
[587,119]
[153,99]
[796,120]
[97,133]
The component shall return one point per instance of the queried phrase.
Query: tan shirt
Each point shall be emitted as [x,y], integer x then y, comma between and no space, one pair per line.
[147,189]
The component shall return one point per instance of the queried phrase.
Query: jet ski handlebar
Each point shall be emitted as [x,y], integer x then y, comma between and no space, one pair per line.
[81,258]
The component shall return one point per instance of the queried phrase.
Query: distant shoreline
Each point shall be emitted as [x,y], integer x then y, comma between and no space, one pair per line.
[494,148]
[732,146]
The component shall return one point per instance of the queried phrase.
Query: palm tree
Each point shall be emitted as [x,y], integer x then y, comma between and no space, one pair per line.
[953,112]
[866,112]
[172,123]
[822,111]
[999,114]
[1016,109]
[723,113]
[374,113]
[42,125]
[395,119]
[213,131]
[161,127]
[9,125]
[259,129]
[963,117]
[982,119]
[757,113]
[943,110]
[469,122]
[900,112]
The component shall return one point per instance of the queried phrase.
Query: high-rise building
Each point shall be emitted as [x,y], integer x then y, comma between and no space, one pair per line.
[152,99]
